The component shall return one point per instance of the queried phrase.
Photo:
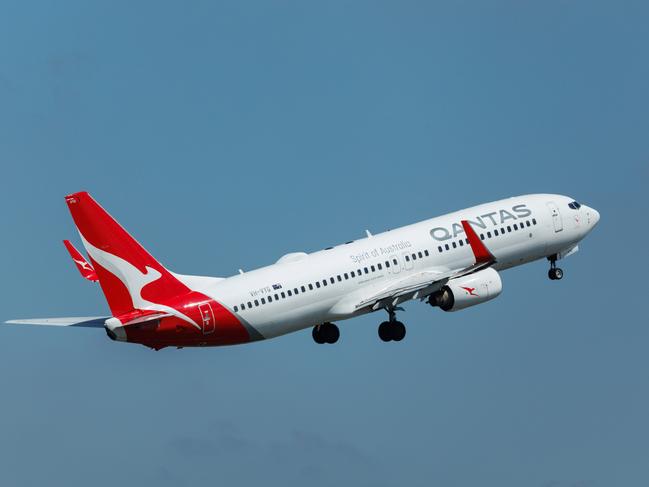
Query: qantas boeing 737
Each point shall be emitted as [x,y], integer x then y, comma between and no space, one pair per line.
[451,262]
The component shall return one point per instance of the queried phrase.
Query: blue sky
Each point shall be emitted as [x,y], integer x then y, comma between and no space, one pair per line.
[223,135]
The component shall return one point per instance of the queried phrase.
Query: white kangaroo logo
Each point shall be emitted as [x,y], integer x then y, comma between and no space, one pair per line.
[133,279]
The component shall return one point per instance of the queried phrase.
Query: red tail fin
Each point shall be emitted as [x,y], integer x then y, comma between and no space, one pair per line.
[129,276]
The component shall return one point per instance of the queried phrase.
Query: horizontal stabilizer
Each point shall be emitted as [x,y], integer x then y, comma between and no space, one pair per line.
[82,321]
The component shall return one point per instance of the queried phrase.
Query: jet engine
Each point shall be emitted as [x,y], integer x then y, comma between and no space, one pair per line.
[468,290]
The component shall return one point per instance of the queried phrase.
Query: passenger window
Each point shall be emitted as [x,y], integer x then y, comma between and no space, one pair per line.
[263,301]
[387,264]
[353,275]
[394,261]
[304,289]
[420,255]
[379,266]
[289,293]
[242,306]
[482,236]
[373,268]
[439,248]
[533,221]
[236,308]
[256,303]
[407,258]
[461,243]
[366,271]
[317,284]
[515,227]
[270,299]
[324,282]
[447,247]
[426,253]
[488,234]
[295,290]
[414,256]
[339,278]
[284,294]
[527,223]
[346,276]
[509,229]
[496,232]
[276,297]
[249,304]
[454,245]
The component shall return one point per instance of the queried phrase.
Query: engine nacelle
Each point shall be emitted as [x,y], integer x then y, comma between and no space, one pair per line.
[468,291]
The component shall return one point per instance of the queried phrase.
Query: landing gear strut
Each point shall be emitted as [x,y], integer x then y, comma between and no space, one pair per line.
[325,333]
[392,330]
[555,273]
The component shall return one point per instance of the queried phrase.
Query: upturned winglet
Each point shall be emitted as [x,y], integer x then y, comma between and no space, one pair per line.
[85,269]
[480,251]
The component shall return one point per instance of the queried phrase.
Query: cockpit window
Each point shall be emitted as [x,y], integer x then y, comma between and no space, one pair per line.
[574,205]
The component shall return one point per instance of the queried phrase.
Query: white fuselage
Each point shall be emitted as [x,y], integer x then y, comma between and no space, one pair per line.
[326,290]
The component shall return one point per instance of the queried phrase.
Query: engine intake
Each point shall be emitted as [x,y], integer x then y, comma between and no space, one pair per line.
[468,290]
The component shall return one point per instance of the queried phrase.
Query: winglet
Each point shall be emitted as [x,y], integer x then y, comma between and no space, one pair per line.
[85,269]
[480,251]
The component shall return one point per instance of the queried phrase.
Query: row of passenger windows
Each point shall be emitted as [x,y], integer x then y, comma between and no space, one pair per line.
[373,268]
[508,229]
[324,283]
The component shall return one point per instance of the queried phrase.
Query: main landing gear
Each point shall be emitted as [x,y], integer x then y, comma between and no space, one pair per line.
[325,333]
[392,330]
[555,273]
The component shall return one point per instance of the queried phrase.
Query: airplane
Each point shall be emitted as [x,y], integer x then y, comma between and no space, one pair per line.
[451,262]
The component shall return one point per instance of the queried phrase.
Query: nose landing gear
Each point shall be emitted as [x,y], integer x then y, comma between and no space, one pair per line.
[325,333]
[392,330]
[555,273]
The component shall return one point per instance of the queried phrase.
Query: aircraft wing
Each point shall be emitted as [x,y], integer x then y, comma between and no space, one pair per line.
[83,321]
[422,284]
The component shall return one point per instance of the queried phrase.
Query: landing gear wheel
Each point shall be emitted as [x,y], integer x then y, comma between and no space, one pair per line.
[398,331]
[331,333]
[385,330]
[554,273]
[317,335]
[325,333]
[392,331]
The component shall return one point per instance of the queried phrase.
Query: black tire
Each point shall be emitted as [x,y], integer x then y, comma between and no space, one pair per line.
[332,333]
[317,335]
[385,331]
[558,273]
[551,274]
[398,331]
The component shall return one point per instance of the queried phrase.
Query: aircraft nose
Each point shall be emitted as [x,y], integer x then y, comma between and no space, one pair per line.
[593,216]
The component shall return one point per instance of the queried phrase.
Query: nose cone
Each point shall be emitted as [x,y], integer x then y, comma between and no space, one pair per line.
[593,216]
